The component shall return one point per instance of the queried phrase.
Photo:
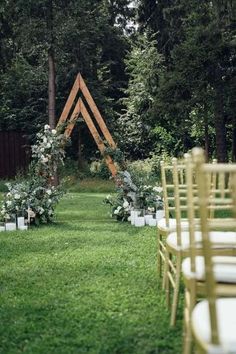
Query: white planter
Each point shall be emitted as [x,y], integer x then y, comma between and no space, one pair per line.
[132,216]
[23,227]
[139,221]
[152,222]
[147,218]
[10,226]
[160,214]
[20,221]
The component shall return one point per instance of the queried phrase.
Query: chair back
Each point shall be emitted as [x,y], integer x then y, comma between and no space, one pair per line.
[174,193]
[220,198]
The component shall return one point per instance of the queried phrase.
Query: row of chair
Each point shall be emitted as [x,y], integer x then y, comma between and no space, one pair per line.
[197,243]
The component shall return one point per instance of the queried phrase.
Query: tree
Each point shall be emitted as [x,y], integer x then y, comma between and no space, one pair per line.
[196,40]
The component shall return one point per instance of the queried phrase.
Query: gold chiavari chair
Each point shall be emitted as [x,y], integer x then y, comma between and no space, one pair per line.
[178,243]
[213,320]
[168,223]
[223,243]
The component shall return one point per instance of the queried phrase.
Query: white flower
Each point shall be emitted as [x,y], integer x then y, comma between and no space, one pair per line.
[50,212]
[42,149]
[8,194]
[44,159]
[48,145]
[9,203]
[45,140]
[40,210]
[117,210]
[46,127]
[54,131]
[157,189]
[17,196]
[125,204]
[49,201]
[48,191]
[151,209]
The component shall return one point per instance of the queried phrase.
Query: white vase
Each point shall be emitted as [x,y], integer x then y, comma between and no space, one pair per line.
[132,216]
[147,217]
[160,214]
[10,226]
[139,221]
[23,227]
[20,221]
[152,222]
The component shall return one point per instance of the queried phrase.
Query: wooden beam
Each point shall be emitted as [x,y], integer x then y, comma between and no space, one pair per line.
[96,137]
[96,112]
[70,101]
[73,119]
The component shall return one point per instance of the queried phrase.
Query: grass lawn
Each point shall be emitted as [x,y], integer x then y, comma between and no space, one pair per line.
[85,284]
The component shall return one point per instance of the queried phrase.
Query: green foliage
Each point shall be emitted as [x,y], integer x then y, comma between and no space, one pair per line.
[34,197]
[147,171]
[144,66]
[115,153]
[99,169]
[193,71]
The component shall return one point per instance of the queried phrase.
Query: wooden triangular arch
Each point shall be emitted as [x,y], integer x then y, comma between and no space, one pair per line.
[80,108]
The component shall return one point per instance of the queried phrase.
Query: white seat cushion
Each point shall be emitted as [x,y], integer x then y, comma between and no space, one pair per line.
[224,269]
[219,239]
[172,225]
[226,314]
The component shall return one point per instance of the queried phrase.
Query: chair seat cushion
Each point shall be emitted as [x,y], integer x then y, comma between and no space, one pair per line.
[226,316]
[172,225]
[220,239]
[224,269]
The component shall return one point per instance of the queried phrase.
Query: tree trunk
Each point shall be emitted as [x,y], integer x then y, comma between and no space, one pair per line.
[51,68]
[51,79]
[234,139]
[51,89]
[220,128]
[206,134]
[233,119]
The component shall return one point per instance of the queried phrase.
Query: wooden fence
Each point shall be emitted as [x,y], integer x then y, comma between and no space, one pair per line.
[14,153]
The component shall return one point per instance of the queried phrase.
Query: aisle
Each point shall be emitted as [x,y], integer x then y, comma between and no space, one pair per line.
[83,285]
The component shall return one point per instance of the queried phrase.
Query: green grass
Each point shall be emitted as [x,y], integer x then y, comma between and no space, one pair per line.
[85,284]
[92,185]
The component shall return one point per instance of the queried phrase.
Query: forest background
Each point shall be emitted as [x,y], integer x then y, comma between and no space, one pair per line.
[163,73]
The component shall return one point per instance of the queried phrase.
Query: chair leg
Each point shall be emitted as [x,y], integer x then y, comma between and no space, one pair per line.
[166,280]
[166,269]
[176,292]
[187,343]
[159,259]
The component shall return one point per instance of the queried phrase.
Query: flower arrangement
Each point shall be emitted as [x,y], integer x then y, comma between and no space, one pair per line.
[130,195]
[35,198]
[120,207]
[150,198]
[48,152]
